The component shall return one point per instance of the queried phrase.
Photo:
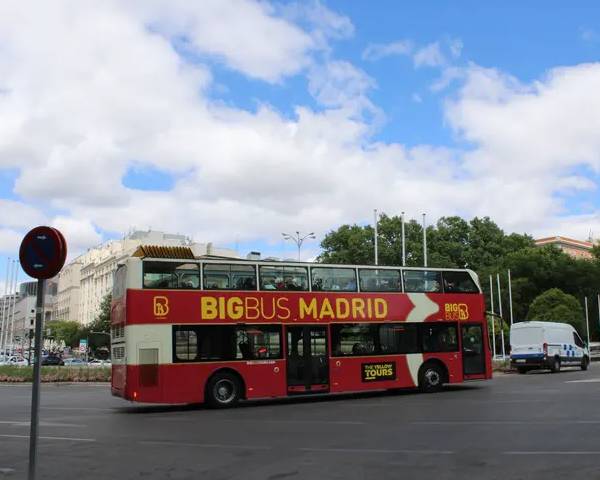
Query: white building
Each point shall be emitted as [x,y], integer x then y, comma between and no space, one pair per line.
[88,278]
[18,318]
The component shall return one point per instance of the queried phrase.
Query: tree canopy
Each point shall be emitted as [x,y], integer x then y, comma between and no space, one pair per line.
[452,242]
[554,305]
[65,330]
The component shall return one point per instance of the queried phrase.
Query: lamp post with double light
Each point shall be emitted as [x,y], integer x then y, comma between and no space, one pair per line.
[298,239]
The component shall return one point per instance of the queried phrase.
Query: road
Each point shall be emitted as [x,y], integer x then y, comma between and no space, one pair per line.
[544,426]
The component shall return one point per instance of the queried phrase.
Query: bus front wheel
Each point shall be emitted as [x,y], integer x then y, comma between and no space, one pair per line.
[223,390]
[431,378]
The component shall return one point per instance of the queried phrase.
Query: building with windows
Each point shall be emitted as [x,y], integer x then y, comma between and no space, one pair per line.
[18,317]
[572,247]
[85,280]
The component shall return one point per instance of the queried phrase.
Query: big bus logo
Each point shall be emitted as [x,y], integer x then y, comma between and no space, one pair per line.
[161,306]
[456,311]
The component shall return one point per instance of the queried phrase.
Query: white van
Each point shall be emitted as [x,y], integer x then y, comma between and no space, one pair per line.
[546,345]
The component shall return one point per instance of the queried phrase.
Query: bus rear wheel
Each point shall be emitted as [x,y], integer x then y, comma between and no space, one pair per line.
[431,378]
[223,390]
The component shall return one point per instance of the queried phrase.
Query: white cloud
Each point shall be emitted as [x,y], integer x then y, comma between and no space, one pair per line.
[10,240]
[340,84]
[530,139]
[429,56]
[376,51]
[19,215]
[79,233]
[246,35]
[122,95]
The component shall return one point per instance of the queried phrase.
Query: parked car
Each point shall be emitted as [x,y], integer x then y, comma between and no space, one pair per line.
[52,360]
[15,361]
[74,362]
[546,345]
[99,363]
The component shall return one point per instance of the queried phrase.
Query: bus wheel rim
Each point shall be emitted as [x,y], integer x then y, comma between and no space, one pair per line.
[433,377]
[224,391]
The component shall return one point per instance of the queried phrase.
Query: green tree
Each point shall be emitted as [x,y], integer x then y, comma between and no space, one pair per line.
[554,305]
[100,325]
[65,330]
[596,251]
[452,242]
[102,321]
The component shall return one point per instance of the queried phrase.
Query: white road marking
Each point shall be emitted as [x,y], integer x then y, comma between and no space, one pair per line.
[510,422]
[42,424]
[320,422]
[94,409]
[587,380]
[555,452]
[71,439]
[6,471]
[204,445]
[376,450]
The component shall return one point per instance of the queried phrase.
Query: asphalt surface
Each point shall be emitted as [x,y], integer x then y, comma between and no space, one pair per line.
[538,425]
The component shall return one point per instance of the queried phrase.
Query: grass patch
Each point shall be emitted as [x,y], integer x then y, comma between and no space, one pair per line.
[10,373]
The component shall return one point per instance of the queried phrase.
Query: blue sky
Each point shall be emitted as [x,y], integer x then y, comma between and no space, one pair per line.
[233,121]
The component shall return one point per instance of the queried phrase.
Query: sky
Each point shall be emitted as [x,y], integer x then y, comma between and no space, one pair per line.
[232,121]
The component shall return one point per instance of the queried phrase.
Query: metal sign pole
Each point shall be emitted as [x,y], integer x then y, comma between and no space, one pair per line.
[35,396]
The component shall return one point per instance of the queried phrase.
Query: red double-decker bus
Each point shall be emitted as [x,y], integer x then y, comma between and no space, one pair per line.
[214,330]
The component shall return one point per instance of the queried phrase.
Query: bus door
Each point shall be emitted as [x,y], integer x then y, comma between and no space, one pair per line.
[473,351]
[307,359]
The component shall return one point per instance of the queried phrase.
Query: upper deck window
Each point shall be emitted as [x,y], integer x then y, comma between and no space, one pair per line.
[330,279]
[378,280]
[119,279]
[171,275]
[422,281]
[459,282]
[283,278]
[224,276]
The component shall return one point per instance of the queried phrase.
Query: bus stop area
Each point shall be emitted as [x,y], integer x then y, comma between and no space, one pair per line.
[537,425]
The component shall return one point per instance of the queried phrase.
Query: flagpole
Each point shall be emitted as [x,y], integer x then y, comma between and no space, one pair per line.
[14,301]
[4,316]
[424,242]
[587,321]
[375,236]
[501,317]
[510,298]
[404,245]
[493,319]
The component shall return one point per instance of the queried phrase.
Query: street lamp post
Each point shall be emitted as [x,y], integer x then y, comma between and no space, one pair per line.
[298,240]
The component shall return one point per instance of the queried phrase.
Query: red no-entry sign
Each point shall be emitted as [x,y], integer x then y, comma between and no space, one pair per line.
[43,252]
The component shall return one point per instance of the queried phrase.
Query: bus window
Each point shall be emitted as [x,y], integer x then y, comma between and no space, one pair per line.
[186,344]
[258,341]
[283,278]
[223,276]
[439,338]
[354,339]
[459,282]
[398,338]
[330,279]
[171,275]
[377,280]
[422,281]
[119,279]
